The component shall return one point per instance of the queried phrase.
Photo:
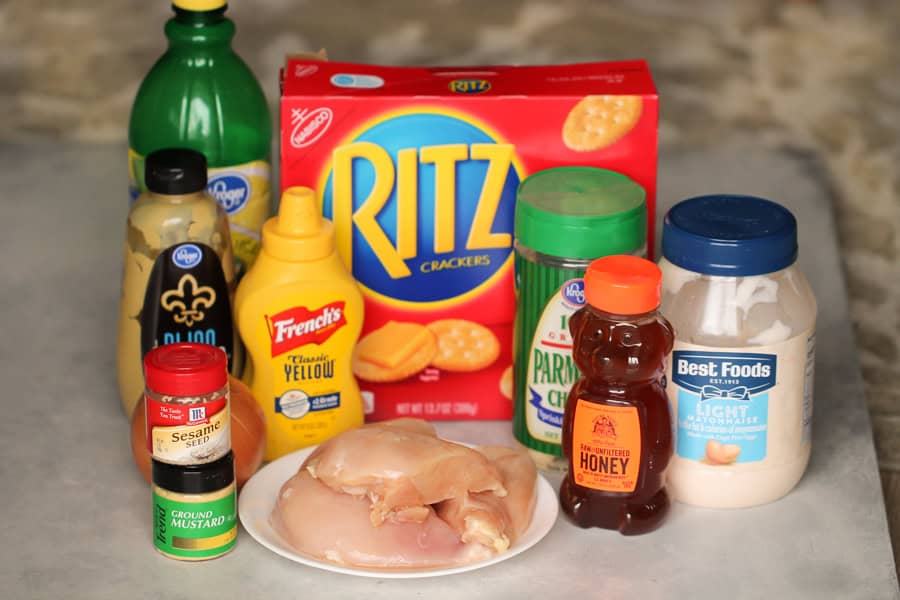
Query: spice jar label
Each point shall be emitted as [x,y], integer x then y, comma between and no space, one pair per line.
[193,530]
[188,434]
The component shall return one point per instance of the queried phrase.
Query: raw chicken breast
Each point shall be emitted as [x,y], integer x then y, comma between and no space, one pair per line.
[401,469]
[488,519]
[334,526]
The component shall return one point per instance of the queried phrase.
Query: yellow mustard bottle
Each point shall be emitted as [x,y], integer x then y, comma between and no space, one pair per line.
[299,313]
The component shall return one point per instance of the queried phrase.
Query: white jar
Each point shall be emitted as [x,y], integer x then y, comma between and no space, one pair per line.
[740,376]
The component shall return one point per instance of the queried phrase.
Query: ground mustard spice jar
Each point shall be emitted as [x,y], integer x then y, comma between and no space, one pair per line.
[194,509]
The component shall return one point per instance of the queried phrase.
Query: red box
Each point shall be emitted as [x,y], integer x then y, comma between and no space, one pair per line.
[418,169]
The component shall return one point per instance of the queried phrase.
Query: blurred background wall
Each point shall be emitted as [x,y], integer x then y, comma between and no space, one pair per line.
[820,78]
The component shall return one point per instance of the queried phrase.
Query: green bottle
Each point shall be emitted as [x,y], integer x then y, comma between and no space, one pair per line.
[201,95]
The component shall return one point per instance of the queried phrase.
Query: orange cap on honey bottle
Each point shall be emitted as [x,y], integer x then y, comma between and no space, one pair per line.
[623,284]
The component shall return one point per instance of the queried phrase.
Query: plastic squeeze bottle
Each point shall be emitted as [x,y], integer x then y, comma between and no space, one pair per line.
[617,433]
[178,271]
[300,312]
[201,95]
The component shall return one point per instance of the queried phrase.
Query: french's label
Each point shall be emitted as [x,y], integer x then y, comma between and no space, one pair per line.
[187,434]
[186,300]
[606,446]
[422,203]
[299,326]
[733,406]
[551,370]
[304,366]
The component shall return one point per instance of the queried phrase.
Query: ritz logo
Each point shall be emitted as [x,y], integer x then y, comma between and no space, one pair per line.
[469,86]
[188,301]
[573,292]
[418,194]
[231,191]
[309,125]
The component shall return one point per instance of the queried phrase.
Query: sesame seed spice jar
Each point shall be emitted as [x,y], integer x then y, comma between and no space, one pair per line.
[187,402]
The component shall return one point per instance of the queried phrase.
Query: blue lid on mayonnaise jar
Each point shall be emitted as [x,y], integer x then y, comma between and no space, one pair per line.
[740,377]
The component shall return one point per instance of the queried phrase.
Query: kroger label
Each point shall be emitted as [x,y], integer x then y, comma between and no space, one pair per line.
[723,404]
[187,256]
[573,292]
[420,195]
[231,191]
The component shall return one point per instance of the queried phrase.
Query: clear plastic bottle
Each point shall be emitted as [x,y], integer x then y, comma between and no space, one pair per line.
[177,272]
[201,95]
[616,432]
[740,379]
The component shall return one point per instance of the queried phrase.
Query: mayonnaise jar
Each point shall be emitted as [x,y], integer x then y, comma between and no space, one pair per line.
[740,377]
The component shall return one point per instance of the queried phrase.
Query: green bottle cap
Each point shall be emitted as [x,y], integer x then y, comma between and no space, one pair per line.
[581,212]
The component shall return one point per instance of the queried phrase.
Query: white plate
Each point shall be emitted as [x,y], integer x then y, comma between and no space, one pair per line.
[257,500]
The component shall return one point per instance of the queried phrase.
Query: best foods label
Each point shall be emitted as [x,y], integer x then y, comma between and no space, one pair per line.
[418,169]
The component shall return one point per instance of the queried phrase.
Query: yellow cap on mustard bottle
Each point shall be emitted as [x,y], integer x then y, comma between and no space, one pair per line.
[299,233]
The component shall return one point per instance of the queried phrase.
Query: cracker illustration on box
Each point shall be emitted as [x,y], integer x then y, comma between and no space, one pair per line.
[418,169]
[394,352]
[506,383]
[600,121]
[463,345]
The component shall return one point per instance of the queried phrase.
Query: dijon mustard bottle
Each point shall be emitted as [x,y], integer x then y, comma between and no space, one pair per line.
[178,277]
[300,313]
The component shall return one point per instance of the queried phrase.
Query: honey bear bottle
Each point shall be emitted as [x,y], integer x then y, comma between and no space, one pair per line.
[617,432]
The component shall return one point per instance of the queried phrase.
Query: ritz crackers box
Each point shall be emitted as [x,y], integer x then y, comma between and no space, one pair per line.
[418,169]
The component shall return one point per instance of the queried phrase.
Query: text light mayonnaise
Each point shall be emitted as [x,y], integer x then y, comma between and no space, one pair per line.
[740,377]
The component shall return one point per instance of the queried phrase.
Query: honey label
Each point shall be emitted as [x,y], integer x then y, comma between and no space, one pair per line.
[606,447]
[187,434]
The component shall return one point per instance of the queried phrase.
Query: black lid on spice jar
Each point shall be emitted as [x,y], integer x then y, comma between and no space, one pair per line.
[194,479]
[185,369]
[175,171]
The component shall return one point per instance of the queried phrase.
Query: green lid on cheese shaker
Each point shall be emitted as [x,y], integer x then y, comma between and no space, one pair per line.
[581,212]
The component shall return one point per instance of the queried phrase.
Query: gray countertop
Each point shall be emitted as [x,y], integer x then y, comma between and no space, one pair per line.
[76,514]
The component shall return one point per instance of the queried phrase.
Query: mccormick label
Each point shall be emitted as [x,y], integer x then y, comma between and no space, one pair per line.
[418,170]
[606,446]
[733,406]
[188,434]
